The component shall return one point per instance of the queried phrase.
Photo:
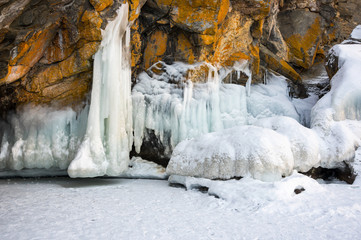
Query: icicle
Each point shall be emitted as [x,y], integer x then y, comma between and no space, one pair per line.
[108,140]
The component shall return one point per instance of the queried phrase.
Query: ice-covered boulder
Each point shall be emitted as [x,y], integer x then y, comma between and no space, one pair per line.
[236,152]
[304,141]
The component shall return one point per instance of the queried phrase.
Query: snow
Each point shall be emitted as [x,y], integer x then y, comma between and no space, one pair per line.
[240,151]
[356,33]
[62,208]
[140,168]
[109,136]
[316,82]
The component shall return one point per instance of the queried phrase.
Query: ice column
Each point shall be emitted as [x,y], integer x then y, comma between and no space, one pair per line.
[108,140]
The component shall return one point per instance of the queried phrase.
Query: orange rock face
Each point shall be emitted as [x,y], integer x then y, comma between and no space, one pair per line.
[26,54]
[233,40]
[156,47]
[46,49]
[303,34]
[51,62]
[100,5]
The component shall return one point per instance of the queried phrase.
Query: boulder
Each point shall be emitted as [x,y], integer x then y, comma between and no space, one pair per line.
[302,32]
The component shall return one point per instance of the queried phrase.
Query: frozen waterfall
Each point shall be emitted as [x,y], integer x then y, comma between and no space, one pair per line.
[108,139]
[176,108]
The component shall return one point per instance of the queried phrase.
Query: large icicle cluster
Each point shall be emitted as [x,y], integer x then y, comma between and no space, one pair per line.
[177,109]
[334,135]
[40,137]
[108,140]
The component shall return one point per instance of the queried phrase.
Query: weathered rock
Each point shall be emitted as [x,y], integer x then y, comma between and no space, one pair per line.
[312,5]
[28,53]
[302,32]
[46,48]
[156,48]
[100,5]
[272,61]
[11,12]
[234,40]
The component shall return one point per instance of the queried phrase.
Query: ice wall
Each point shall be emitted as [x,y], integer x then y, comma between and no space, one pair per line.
[108,139]
[178,109]
[40,137]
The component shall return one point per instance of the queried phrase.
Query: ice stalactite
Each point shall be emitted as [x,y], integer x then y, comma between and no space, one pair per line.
[108,139]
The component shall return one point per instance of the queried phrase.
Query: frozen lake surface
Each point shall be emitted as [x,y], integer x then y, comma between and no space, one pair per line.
[63,208]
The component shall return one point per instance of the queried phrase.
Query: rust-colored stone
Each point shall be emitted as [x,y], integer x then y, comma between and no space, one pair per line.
[78,62]
[184,50]
[100,5]
[303,34]
[89,26]
[28,53]
[272,61]
[233,38]
[155,48]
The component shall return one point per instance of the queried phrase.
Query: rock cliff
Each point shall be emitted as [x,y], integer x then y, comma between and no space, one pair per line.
[46,46]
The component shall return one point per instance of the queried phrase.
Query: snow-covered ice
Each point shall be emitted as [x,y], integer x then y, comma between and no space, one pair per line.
[337,116]
[356,33]
[62,208]
[236,152]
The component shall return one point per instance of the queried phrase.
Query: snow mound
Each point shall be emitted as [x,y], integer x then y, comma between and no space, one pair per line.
[240,151]
[140,168]
[304,142]
[248,192]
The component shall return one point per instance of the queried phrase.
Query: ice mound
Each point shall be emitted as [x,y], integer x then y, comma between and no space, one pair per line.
[270,99]
[240,151]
